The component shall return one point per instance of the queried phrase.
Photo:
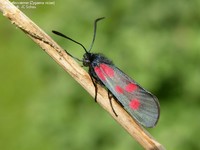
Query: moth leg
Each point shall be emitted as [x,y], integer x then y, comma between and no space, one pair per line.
[110,96]
[95,86]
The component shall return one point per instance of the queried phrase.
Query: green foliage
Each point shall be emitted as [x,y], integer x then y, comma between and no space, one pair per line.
[155,42]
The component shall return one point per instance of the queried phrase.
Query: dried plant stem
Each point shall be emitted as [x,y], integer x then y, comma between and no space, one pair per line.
[80,75]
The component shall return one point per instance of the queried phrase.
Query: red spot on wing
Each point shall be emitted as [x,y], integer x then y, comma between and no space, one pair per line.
[134,104]
[108,70]
[104,70]
[130,87]
[99,73]
[118,89]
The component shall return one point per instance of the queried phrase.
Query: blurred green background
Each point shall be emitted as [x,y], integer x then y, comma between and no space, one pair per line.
[155,42]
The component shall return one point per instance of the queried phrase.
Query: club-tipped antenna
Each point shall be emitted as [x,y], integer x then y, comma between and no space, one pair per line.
[94,35]
[62,35]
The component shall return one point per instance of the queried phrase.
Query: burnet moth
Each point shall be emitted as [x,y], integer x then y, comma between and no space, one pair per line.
[138,102]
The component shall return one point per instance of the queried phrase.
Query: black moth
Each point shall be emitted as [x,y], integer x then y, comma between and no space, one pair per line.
[138,102]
